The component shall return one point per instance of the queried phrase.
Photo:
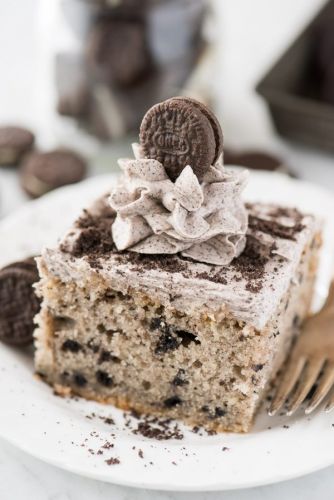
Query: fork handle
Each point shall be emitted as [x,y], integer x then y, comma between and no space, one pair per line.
[329,304]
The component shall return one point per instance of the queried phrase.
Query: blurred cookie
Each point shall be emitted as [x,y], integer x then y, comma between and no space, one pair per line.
[28,264]
[42,172]
[18,302]
[72,86]
[117,51]
[257,160]
[14,143]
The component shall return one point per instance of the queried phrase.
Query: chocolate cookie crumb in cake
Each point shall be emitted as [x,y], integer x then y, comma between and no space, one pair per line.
[170,296]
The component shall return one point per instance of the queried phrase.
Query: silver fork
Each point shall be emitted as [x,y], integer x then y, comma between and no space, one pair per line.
[311,362]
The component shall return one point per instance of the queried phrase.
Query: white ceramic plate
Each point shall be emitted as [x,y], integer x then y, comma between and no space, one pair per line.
[57,431]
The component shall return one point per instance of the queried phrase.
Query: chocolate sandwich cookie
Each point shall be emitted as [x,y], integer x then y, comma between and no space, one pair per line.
[217,130]
[28,264]
[42,172]
[117,52]
[14,143]
[257,160]
[72,85]
[179,132]
[18,302]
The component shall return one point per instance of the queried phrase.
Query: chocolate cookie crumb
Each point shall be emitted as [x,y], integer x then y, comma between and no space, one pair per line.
[113,461]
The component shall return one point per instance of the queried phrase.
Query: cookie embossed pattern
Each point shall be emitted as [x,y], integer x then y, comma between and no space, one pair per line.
[181,132]
[163,280]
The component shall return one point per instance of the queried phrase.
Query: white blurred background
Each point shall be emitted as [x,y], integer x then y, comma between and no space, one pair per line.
[251,34]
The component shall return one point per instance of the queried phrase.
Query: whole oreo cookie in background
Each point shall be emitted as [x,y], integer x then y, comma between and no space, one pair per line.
[180,132]
[28,264]
[256,160]
[117,51]
[72,85]
[43,172]
[18,302]
[14,143]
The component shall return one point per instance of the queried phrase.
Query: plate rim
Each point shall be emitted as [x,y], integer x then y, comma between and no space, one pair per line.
[111,477]
[164,486]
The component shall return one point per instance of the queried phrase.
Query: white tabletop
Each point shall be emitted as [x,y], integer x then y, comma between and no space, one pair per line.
[253,34]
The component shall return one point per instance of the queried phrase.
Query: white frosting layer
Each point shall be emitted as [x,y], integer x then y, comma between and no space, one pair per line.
[206,222]
[195,288]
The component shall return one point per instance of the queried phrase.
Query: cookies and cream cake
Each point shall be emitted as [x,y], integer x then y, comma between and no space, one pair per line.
[170,296]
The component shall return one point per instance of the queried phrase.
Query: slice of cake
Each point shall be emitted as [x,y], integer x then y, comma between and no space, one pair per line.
[169,296]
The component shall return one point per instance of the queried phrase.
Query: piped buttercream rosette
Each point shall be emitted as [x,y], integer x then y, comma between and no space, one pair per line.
[205,221]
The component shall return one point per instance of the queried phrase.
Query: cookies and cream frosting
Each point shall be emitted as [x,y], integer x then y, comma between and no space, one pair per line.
[205,221]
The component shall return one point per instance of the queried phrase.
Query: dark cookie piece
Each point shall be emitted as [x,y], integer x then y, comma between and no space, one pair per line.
[117,51]
[104,379]
[187,338]
[42,172]
[71,345]
[172,402]
[79,380]
[177,133]
[18,305]
[179,379]
[14,143]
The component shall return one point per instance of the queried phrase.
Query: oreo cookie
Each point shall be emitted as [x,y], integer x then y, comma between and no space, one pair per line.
[18,302]
[72,85]
[117,52]
[217,130]
[28,264]
[180,132]
[14,143]
[257,160]
[42,172]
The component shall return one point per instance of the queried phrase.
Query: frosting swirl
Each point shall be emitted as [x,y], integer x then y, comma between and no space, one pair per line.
[205,221]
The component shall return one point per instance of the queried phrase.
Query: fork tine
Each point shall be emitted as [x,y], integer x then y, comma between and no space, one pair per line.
[290,377]
[325,385]
[330,404]
[311,373]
